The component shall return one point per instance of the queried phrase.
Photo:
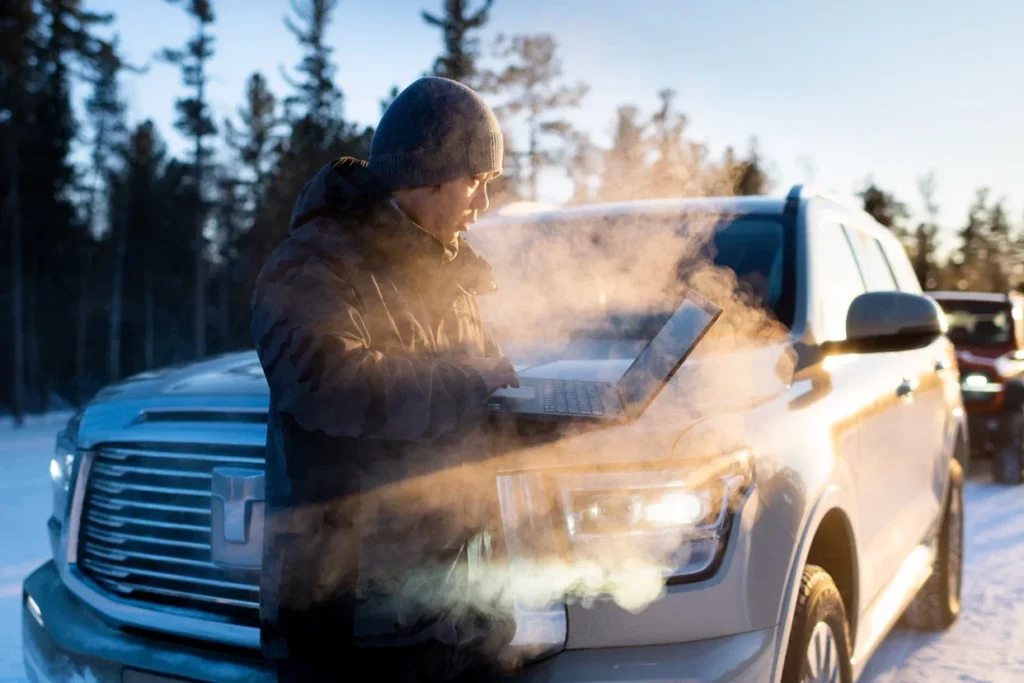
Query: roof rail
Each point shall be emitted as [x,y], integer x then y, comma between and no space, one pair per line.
[801,191]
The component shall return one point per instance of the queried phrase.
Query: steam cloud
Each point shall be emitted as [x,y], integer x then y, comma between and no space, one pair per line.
[550,279]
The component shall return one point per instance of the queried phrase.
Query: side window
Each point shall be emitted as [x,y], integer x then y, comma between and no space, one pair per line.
[906,278]
[840,278]
[878,276]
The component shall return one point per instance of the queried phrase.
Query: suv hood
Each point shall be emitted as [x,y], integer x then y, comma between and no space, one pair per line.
[710,384]
[233,374]
[742,376]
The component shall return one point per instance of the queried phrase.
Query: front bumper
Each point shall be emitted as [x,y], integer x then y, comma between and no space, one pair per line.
[73,643]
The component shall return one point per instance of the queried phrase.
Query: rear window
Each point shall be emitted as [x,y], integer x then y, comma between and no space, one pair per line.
[979,323]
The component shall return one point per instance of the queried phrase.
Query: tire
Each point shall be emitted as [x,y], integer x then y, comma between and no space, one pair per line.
[1008,461]
[819,640]
[937,606]
[963,456]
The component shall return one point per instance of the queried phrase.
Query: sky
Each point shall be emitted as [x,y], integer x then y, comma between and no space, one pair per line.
[834,92]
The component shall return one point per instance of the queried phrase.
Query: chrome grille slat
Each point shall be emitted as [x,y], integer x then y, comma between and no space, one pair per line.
[119,487]
[125,572]
[117,537]
[121,470]
[127,588]
[122,453]
[120,555]
[114,504]
[145,530]
[120,521]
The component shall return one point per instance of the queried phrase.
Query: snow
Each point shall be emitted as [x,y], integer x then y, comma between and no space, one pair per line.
[984,644]
[25,502]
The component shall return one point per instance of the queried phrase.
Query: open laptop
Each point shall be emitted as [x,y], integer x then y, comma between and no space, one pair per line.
[622,401]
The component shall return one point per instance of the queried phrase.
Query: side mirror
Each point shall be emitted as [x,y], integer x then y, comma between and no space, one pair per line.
[890,321]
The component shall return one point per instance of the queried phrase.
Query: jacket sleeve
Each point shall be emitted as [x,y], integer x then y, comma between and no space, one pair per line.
[315,351]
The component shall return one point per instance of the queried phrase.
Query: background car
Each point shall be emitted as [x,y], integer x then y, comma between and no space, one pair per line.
[988,332]
[813,437]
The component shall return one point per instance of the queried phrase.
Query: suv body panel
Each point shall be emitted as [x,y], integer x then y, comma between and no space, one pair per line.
[815,437]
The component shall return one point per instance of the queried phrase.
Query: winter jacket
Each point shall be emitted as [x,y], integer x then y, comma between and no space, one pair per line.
[360,319]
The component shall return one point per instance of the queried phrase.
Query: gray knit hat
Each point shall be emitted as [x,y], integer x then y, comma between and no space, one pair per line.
[436,130]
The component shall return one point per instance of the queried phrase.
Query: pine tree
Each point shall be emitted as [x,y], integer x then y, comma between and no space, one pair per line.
[255,141]
[530,88]
[18,35]
[883,207]
[748,177]
[230,218]
[195,121]
[140,221]
[106,111]
[924,244]
[318,100]
[1000,242]
[584,166]
[971,259]
[458,62]
[317,134]
[50,228]
[680,166]
[626,174]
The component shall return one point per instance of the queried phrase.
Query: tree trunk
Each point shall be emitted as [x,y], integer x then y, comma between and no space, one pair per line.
[37,380]
[82,327]
[149,314]
[200,297]
[12,211]
[225,313]
[200,274]
[534,161]
[117,302]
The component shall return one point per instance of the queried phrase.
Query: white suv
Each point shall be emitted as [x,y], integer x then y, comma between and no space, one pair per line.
[833,502]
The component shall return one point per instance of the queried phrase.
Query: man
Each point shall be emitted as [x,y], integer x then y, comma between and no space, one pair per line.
[366,325]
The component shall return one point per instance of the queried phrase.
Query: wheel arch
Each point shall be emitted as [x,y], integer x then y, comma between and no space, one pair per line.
[828,519]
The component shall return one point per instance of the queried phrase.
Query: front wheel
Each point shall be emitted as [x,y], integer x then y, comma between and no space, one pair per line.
[819,641]
[1008,461]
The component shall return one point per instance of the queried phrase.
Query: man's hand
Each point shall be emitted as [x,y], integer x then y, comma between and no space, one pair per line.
[496,372]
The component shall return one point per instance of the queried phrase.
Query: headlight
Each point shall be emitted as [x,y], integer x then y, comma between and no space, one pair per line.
[1010,364]
[979,382]
[677,520]
[61,466]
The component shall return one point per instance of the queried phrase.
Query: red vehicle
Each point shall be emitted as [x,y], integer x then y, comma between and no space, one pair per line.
[988,333]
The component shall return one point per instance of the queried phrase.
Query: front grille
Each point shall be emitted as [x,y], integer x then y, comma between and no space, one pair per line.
[145,529]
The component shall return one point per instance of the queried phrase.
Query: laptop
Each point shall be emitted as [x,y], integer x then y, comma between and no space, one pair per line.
[623,401]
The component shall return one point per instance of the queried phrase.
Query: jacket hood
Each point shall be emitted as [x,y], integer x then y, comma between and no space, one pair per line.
[347,192]
[343,188]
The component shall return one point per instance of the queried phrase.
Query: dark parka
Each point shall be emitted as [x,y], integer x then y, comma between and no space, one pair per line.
[360,319]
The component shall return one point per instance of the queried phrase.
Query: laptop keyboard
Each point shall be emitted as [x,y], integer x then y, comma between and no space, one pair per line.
[568,397]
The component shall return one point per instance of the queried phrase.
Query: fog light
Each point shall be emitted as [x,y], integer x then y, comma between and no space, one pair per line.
[34,610]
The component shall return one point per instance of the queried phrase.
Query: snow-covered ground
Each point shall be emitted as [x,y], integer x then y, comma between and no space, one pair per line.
[987,641]
[986,644]
[25,503]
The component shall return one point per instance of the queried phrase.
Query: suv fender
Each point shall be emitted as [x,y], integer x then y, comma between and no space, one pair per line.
[832,498]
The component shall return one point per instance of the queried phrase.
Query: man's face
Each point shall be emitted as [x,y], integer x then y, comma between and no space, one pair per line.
[452,207]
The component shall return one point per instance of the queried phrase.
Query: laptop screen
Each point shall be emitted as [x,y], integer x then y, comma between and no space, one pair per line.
[662,357]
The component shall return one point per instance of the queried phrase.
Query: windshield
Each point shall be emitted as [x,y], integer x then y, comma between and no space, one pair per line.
[979,323]
[610,284]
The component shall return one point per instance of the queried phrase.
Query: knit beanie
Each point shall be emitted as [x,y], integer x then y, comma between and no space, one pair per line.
[436,130]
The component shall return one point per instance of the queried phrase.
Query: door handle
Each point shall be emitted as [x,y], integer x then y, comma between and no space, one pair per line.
[906,388]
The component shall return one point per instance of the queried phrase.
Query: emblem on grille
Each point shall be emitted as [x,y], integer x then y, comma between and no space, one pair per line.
[237,513]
